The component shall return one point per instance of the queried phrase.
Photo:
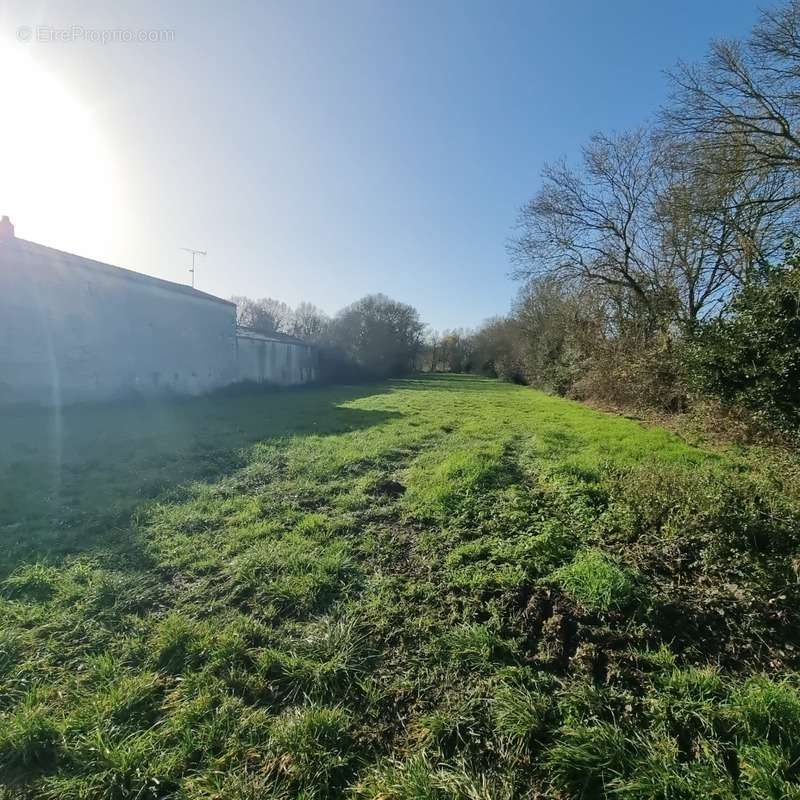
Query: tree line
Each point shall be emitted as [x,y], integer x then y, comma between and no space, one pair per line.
[661,267]
[657,269]
[372,337]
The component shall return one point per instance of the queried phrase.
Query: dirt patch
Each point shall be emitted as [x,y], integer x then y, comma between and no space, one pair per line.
[553,630]
[389,488]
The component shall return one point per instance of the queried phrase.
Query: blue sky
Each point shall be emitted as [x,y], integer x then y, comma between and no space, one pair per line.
[321,151]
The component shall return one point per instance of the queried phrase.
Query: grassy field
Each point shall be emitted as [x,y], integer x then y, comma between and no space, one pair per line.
[442,587]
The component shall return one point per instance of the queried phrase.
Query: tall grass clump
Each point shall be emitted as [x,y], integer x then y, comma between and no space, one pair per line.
[30,736]
[596,582]
[313,749]
[585,760]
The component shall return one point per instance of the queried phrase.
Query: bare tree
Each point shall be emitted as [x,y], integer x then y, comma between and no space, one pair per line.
[246,310]
[747,96]
[653,218]
[714,226]
[456,350]
[309,322]
[594,226]
[432,340]
[265,315]
[496,349]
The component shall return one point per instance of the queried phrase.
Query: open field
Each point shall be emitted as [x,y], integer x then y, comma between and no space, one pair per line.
[442,587]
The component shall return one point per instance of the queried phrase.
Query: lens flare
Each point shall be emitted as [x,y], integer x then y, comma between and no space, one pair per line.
[57,175]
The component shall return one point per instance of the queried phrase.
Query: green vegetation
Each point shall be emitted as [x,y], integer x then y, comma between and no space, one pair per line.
[659,270]
[751,357]
[442,587]
[595,582]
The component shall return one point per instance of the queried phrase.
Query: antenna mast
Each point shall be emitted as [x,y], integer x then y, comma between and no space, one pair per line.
[194,253]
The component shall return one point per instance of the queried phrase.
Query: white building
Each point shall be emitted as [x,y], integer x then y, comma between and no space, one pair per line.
[73,329]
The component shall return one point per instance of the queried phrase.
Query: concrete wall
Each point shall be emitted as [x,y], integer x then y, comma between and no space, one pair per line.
[265,360]
[72,329]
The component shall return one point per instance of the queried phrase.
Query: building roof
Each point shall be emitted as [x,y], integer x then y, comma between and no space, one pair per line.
[272,336]
[33,253]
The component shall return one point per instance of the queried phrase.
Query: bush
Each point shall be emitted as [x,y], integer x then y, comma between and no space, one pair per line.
[633,372]
[751,356]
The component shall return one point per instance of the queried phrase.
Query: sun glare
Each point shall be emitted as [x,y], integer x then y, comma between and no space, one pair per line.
[57,176]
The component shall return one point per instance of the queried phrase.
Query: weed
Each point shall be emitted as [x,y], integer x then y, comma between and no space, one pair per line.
[33,582]
[418,779]
[768,709]
[766,772]
[179,643]
[476,646]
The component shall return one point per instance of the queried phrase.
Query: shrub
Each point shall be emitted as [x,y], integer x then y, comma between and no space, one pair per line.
[751,356]
[728,512]
[634,372]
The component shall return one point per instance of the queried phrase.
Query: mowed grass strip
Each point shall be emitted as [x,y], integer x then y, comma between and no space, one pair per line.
[440,587]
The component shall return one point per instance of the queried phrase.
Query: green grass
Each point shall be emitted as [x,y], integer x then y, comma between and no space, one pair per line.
[596,582]
[440,587]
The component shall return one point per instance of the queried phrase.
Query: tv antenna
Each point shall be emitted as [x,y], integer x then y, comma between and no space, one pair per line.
[194,253]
